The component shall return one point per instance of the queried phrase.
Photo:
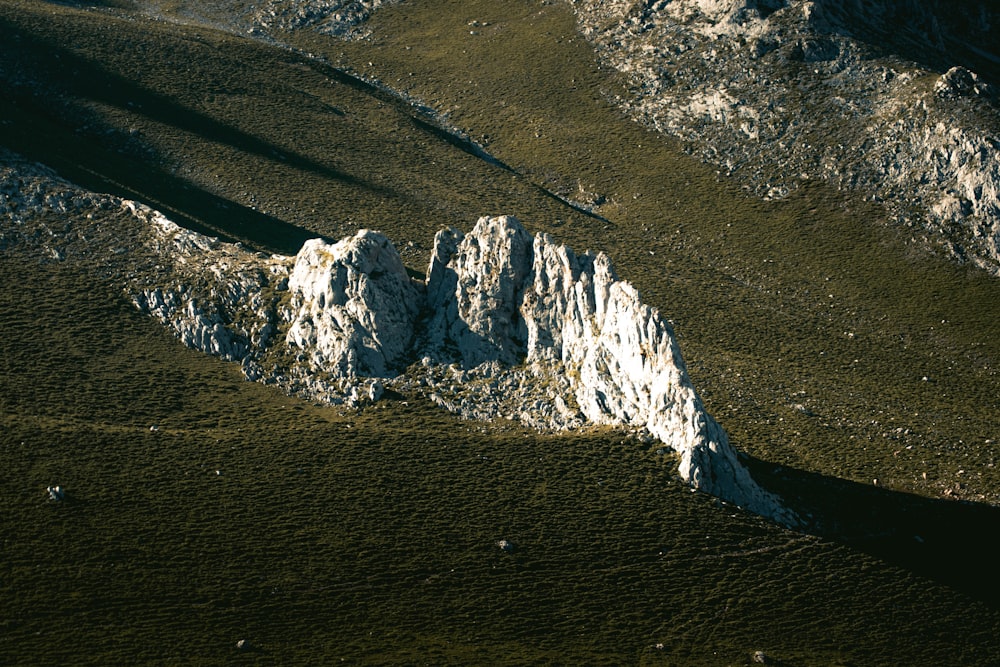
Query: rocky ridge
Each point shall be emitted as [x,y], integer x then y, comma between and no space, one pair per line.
[777,92]
[506,325]
[340,18]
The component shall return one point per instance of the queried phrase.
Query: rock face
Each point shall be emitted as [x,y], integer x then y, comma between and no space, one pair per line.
[476,291]
[500,298]
[960,82]
[353,308]
[506,325]
[776,92]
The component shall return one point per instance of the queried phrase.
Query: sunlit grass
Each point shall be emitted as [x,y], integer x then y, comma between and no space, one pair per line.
[373,536]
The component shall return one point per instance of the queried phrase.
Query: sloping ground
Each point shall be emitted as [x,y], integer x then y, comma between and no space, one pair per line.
[873,98]
[505,326]
[375,537]
[808,330]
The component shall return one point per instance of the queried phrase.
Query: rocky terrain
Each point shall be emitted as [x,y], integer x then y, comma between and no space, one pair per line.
[893,103]
[880,99]
[466,443]
[506,325]
[343,19]
[339,18]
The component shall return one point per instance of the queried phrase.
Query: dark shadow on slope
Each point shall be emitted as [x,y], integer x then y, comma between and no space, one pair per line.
[70,75]
[951,542]
[43,121]
[423,119]
[26,129]
[575,207]
[936,34]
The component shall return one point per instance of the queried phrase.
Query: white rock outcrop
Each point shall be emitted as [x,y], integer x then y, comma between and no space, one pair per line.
[476,291]
[506,325]
[501,298]
[353,309]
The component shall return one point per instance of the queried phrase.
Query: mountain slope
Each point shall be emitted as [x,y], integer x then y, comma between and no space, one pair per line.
[374,536]
[781,305]
[872,98]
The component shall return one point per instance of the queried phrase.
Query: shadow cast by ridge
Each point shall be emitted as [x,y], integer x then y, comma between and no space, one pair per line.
[30,133]
[934,34]
[949,541]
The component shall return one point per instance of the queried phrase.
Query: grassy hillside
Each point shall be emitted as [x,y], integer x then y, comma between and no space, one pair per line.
[372,537]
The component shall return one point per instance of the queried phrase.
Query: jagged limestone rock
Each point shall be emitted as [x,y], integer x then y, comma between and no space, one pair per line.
[353,307]
[622,361]
[541,335]
[475,295]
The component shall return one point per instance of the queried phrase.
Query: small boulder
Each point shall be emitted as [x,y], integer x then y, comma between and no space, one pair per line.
[56,493]
[960,82]
[506,546]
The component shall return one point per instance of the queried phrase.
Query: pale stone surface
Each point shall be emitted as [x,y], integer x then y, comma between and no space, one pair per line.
[353,308]
[333,17]
[475,294]
[778,92]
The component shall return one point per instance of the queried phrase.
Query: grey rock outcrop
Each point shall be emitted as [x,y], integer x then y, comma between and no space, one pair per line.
[216,297]
[777,92]
[960,82]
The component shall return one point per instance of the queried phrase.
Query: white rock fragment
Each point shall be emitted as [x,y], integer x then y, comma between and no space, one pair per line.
[960,82]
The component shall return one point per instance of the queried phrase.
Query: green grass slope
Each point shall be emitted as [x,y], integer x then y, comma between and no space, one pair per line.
[371,537]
